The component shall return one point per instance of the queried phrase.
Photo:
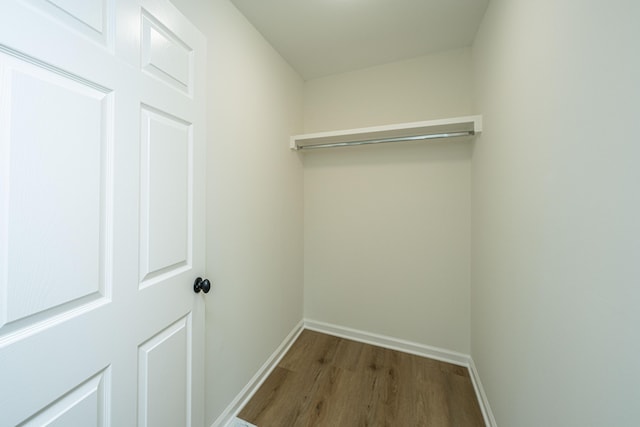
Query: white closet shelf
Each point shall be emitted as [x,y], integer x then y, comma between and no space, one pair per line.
[456,127]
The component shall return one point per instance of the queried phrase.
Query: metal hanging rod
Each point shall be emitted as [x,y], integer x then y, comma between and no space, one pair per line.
[386,140]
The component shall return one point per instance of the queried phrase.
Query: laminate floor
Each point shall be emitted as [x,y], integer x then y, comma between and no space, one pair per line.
[329,381]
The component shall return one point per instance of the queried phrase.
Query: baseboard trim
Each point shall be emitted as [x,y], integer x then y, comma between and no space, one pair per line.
[237,422]
[436,353]
[487,414]
[228,416]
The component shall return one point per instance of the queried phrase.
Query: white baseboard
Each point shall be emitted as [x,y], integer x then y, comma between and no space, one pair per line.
[487,414]
[436,353]
[237,422]
[228,416]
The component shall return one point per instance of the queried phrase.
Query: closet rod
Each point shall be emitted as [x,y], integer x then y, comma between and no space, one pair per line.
[386,140]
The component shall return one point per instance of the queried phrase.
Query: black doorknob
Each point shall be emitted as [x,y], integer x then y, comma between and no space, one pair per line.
[201,285]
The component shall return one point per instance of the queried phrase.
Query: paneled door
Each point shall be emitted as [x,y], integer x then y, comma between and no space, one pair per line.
[102,148]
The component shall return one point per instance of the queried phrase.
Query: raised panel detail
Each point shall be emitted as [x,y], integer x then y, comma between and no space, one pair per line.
[164,55]
[88,17]
[86,405]
[89,12]
[164,378]
[165,240]
[55,137]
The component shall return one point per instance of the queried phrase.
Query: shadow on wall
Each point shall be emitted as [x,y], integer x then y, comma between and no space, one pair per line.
[390,154]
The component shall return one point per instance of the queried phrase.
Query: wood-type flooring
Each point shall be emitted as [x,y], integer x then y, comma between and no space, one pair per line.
[329,381]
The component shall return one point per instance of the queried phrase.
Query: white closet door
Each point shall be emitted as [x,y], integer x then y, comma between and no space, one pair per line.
[101,214]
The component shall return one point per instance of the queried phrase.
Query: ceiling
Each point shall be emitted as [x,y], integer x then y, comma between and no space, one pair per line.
[322,37]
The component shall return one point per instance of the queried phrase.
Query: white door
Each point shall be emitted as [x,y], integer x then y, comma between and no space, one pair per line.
[101,214]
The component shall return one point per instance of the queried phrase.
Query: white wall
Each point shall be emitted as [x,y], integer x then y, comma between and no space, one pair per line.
[423,88]
[387,229]
[556,213]
[254,200]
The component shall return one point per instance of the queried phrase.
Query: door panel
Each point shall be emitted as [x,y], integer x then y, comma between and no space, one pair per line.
[165,55]
[164,377]
[88,12]
[166,187]
[90,18]
[101,196]
[86,405]
[56,130]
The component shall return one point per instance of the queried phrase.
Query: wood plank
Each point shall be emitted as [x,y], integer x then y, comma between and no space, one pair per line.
[330,381]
